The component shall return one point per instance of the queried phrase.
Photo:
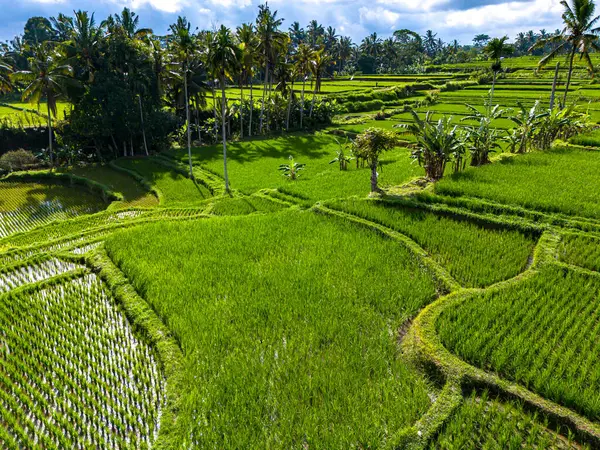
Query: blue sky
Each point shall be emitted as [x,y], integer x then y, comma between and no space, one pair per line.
[451,19]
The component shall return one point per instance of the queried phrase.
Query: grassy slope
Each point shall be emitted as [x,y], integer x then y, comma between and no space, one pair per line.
[556,181]
[177,190]
[288,323]
[134,194]
[253,165]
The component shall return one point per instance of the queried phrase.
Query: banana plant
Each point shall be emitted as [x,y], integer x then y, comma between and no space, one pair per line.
[482,138]
[292,169]
[528,122]
[342,158]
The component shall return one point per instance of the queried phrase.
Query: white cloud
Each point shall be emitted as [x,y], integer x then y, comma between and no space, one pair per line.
[378,16]
[231,3]
[167,6]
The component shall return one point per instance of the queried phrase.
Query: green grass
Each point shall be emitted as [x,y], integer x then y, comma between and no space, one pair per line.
[26,118]
[474,255]
[561,180]
[244,205]
[482,422]
[288,324]
[134,194]
[543,333]
[581,250]
[253,165]
[24,206]
[176,189]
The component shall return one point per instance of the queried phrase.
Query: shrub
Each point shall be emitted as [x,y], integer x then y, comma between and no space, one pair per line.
[17,160]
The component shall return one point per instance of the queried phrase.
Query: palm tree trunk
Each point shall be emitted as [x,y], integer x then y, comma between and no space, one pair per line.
[143,129]
[262,106]
[50,152]
[187,118]
[289,109]
[302,103]
[312,103]
[554,85]
[223,103]
[198,126]
[241,110]
[571,58]
[251,107]
[492,92]
[215,127]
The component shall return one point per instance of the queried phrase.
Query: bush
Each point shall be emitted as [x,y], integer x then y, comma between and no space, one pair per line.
[17,160]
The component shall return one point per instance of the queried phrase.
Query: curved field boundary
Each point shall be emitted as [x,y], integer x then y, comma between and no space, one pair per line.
[214,183]
[158,336]
[429,348]
[140,179]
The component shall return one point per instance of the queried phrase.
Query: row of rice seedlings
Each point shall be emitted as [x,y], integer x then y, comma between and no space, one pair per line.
[543,332]
[483,422]
[289,326]
[86,248]
[581,250]
[25,206]
[72,372]
[25,274]
[474,255]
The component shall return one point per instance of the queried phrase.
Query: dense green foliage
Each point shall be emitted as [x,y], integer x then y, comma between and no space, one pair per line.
[541,332]
[474,255]
[256,327]
[581,250]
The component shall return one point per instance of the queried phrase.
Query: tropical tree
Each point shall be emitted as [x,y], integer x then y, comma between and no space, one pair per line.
[438,143]
[495,50]
[319,64]
[183,45]
[304,61]
[315,32]
[372,143]
[47,78]
[580,34]
[5,82]
[83,49]
[271,41]
[248,57]
[527,122]
[483,138]
[224,58]
[128,21]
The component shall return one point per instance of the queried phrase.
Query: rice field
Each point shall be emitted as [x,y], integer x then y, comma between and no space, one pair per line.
[73,374]
[24,206]
[542,332]
[274,356]
[474,255]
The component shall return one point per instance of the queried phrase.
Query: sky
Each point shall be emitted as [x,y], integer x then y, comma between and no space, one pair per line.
[450,19]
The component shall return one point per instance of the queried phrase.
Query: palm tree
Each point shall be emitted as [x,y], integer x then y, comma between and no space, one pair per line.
[47,78]
[430,42]
[343,50]
[84,45]
[319,64]
[270,42]
[371,45]
[496,49]
[5,83]
[304,59]
[297,34]
[224,56]
[372,143]
[184,45]
[580,34]
[314,31]
[247,39]
[129,21]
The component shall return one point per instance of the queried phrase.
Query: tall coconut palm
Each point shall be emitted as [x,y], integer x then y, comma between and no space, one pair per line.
[183,45]
[271,41]
[248,44]
[47,78]
[319,65]
[315,32]
[129,21]
[304,59]
[343,51]
[224,58]
[84,46]
[496,49]
[5,71]
[580,34]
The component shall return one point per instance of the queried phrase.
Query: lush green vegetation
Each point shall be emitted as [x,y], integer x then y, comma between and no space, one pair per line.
[581,250]
[80,379]
[257,327]
[24,206]
[542,333]
[560,180]
[484,422]
[473,254]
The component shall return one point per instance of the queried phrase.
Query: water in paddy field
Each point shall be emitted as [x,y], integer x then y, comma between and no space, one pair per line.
[24,206]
